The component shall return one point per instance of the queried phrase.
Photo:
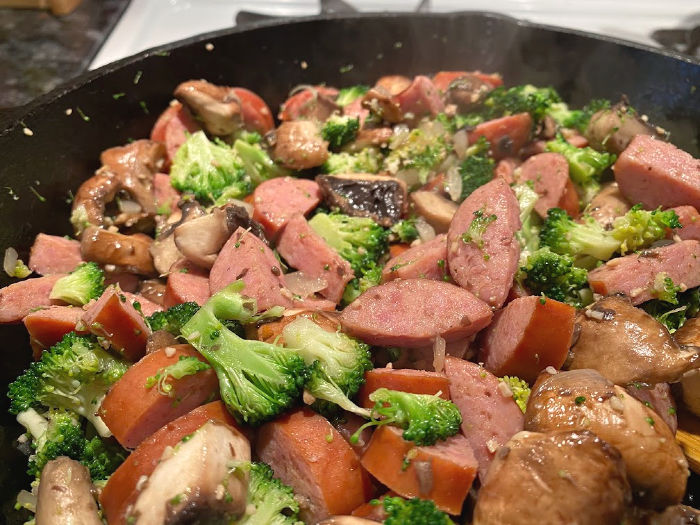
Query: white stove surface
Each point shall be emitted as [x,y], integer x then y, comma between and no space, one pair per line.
[149,23]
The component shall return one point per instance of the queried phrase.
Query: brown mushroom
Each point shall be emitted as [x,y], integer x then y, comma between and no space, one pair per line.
[299,145]
[129,253]
[435,209]
[66,495]
[584,400]
[466,92]
[607,205]
[381,102]
[627,345]
[370,137]
[153,290]
[555,477]
[195,481]
[218,107]
[689,335]
[164,250]
[614,128]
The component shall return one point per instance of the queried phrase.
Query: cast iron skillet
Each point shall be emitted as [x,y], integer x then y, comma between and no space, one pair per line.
[271,58]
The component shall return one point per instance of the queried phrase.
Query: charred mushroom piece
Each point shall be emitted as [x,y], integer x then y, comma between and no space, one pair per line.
[467,92]
[130,253]
[584,400]
[614,128]
[299,145]
[65,495]
[379,197]
[195,481]
[381,102]
[607,205]
[557,477]
[435,209]
[393,84]
[218,107]
[153,290]
[160,339]
[688,335]
[627,345]
[164,250]
[370,137]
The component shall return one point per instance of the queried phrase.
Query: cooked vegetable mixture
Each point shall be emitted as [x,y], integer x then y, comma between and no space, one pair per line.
[427,301]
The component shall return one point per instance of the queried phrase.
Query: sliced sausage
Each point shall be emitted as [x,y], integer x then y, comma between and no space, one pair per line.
[276,200]
[255,112]
[485,263]
[54,254]
[299,145]
[507,135]
[165,195]
[419,99]
[443,472]
[442,79]
[569,201]
[306,251]
[413,312]
[634,275]
[172,128]
[557,477]
[690,220]
[65,495]
[527,336]
[307,453]
[47,326]
[133,411]
[607,205]
[113,317]
[146,307]
[627,345]
[314,103]
[403,380]
[186,282]
[657,173]
[490,417]
[660,400]
[549,173]
[505,169]
[19,299]
[423,261]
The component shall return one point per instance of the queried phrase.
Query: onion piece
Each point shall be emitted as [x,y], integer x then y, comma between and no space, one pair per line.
[453,183]
[129,207]
[27,500]
[410,176]
[304,285]
[439,354]
[425,231]
[9,263]
[424,473]
[460,141]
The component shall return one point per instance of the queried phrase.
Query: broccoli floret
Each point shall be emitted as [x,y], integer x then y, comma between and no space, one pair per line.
[424,418]
[338,364]
[172,319]
[556,277]
[74,374]
[566,237]
[185,366]
[586,165]
[338,130]
[251,137]
[372,276]
[257,163]
[413,512]
[422,149]
[273,501]
[673,316]
[664,289]
[257,380]
[520,99]
[209,170]
[477,168]
[102,457]
[82,285]
[520,390]
[529,234]
[457,122]
[404,231]
[477,228]
[367,160]
[20,271]
[350,94]
[576,118]
[639,228]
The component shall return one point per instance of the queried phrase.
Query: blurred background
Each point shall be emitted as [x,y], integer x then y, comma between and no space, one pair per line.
[49,41]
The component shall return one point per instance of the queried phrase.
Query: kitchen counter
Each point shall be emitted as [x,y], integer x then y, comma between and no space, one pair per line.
[39,51]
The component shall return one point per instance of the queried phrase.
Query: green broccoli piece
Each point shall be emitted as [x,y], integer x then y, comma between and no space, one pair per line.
[251,137]
[422,149]
[477,228]
[74,374]
[564,236]
[413,511]
[338,364]
[527,98]
[372,276]
[367,160]
[477,168]
[273,501]
[520,390]
[20,271]
[639,228]
[172,319]
[556,277]
[529,234]
[404,231]
[576,118]
[209,170]
[338,130]
[452,124]
[82,285]
[257,163]
[350,94]
[185,366]
[674,315]
[664,289]
[257,380]
[424,418]
[102,457]
[586,165]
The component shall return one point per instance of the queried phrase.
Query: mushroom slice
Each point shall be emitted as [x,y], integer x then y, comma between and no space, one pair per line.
[627,345]
[164,250]
[196,480]
[218,107]
[65,495]
[435,209]
[379,197]
[299,145]
[130,253]
[466,92]
[614,128]
[380,101]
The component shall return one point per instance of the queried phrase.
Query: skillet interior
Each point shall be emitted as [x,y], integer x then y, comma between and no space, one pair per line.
[64,150]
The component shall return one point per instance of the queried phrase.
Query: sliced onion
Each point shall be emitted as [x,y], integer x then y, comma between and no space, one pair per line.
[26,500]
[411,177]
[401,132]
[453,183]
[424,473]
[425,231]
[243,204]
[460,141]
[10,262]
[439,354]
[304,285]
[129,207]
